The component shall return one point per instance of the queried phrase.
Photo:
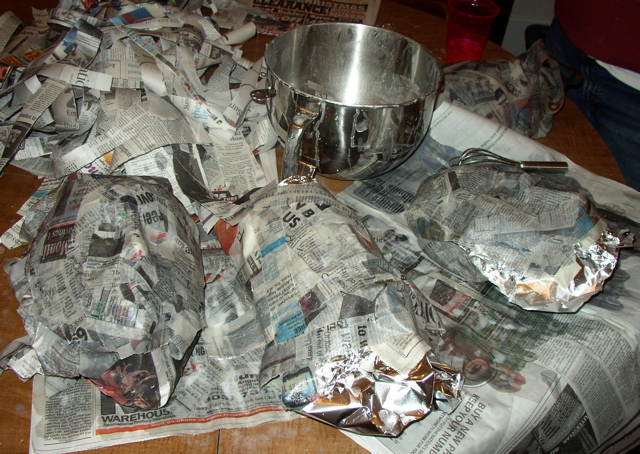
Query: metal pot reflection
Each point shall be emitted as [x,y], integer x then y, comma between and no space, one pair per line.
[349,101]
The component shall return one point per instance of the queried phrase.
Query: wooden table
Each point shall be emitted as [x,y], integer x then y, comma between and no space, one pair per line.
[572,135]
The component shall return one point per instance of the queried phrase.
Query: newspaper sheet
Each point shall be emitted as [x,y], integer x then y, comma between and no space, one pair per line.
[534,381]
[213,395]
[273,17]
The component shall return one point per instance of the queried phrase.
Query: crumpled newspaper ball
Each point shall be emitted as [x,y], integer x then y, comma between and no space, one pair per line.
[112,286]
[523,93]
[348,335]
[539,241]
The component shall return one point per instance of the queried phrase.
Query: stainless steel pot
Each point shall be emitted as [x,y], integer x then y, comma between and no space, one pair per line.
[349,100]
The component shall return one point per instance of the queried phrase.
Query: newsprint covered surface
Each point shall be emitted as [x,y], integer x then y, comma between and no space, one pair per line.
[535,382]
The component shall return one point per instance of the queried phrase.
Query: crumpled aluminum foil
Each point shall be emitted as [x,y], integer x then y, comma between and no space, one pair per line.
[362,394]
[597,262]
[540,241]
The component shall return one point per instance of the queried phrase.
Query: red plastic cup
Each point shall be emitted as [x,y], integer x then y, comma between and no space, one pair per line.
[468,26]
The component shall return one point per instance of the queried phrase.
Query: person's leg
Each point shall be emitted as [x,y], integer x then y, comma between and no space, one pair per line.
[571,60]
[614,111]
[612,107]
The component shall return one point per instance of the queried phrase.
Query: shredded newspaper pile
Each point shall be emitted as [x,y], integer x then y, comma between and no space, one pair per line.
[136,89]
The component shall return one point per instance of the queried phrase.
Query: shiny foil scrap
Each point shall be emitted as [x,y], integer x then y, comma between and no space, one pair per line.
[597,261]
[360,393]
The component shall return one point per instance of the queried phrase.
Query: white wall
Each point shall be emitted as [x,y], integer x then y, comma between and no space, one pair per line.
[523,14]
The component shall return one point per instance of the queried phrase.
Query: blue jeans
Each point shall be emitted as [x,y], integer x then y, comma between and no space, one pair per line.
[612,107]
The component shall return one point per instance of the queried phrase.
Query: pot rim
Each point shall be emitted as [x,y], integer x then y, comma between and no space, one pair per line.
[438,74]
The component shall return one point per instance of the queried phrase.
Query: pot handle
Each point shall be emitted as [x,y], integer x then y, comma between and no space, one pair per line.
[295,162]
[262,94]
